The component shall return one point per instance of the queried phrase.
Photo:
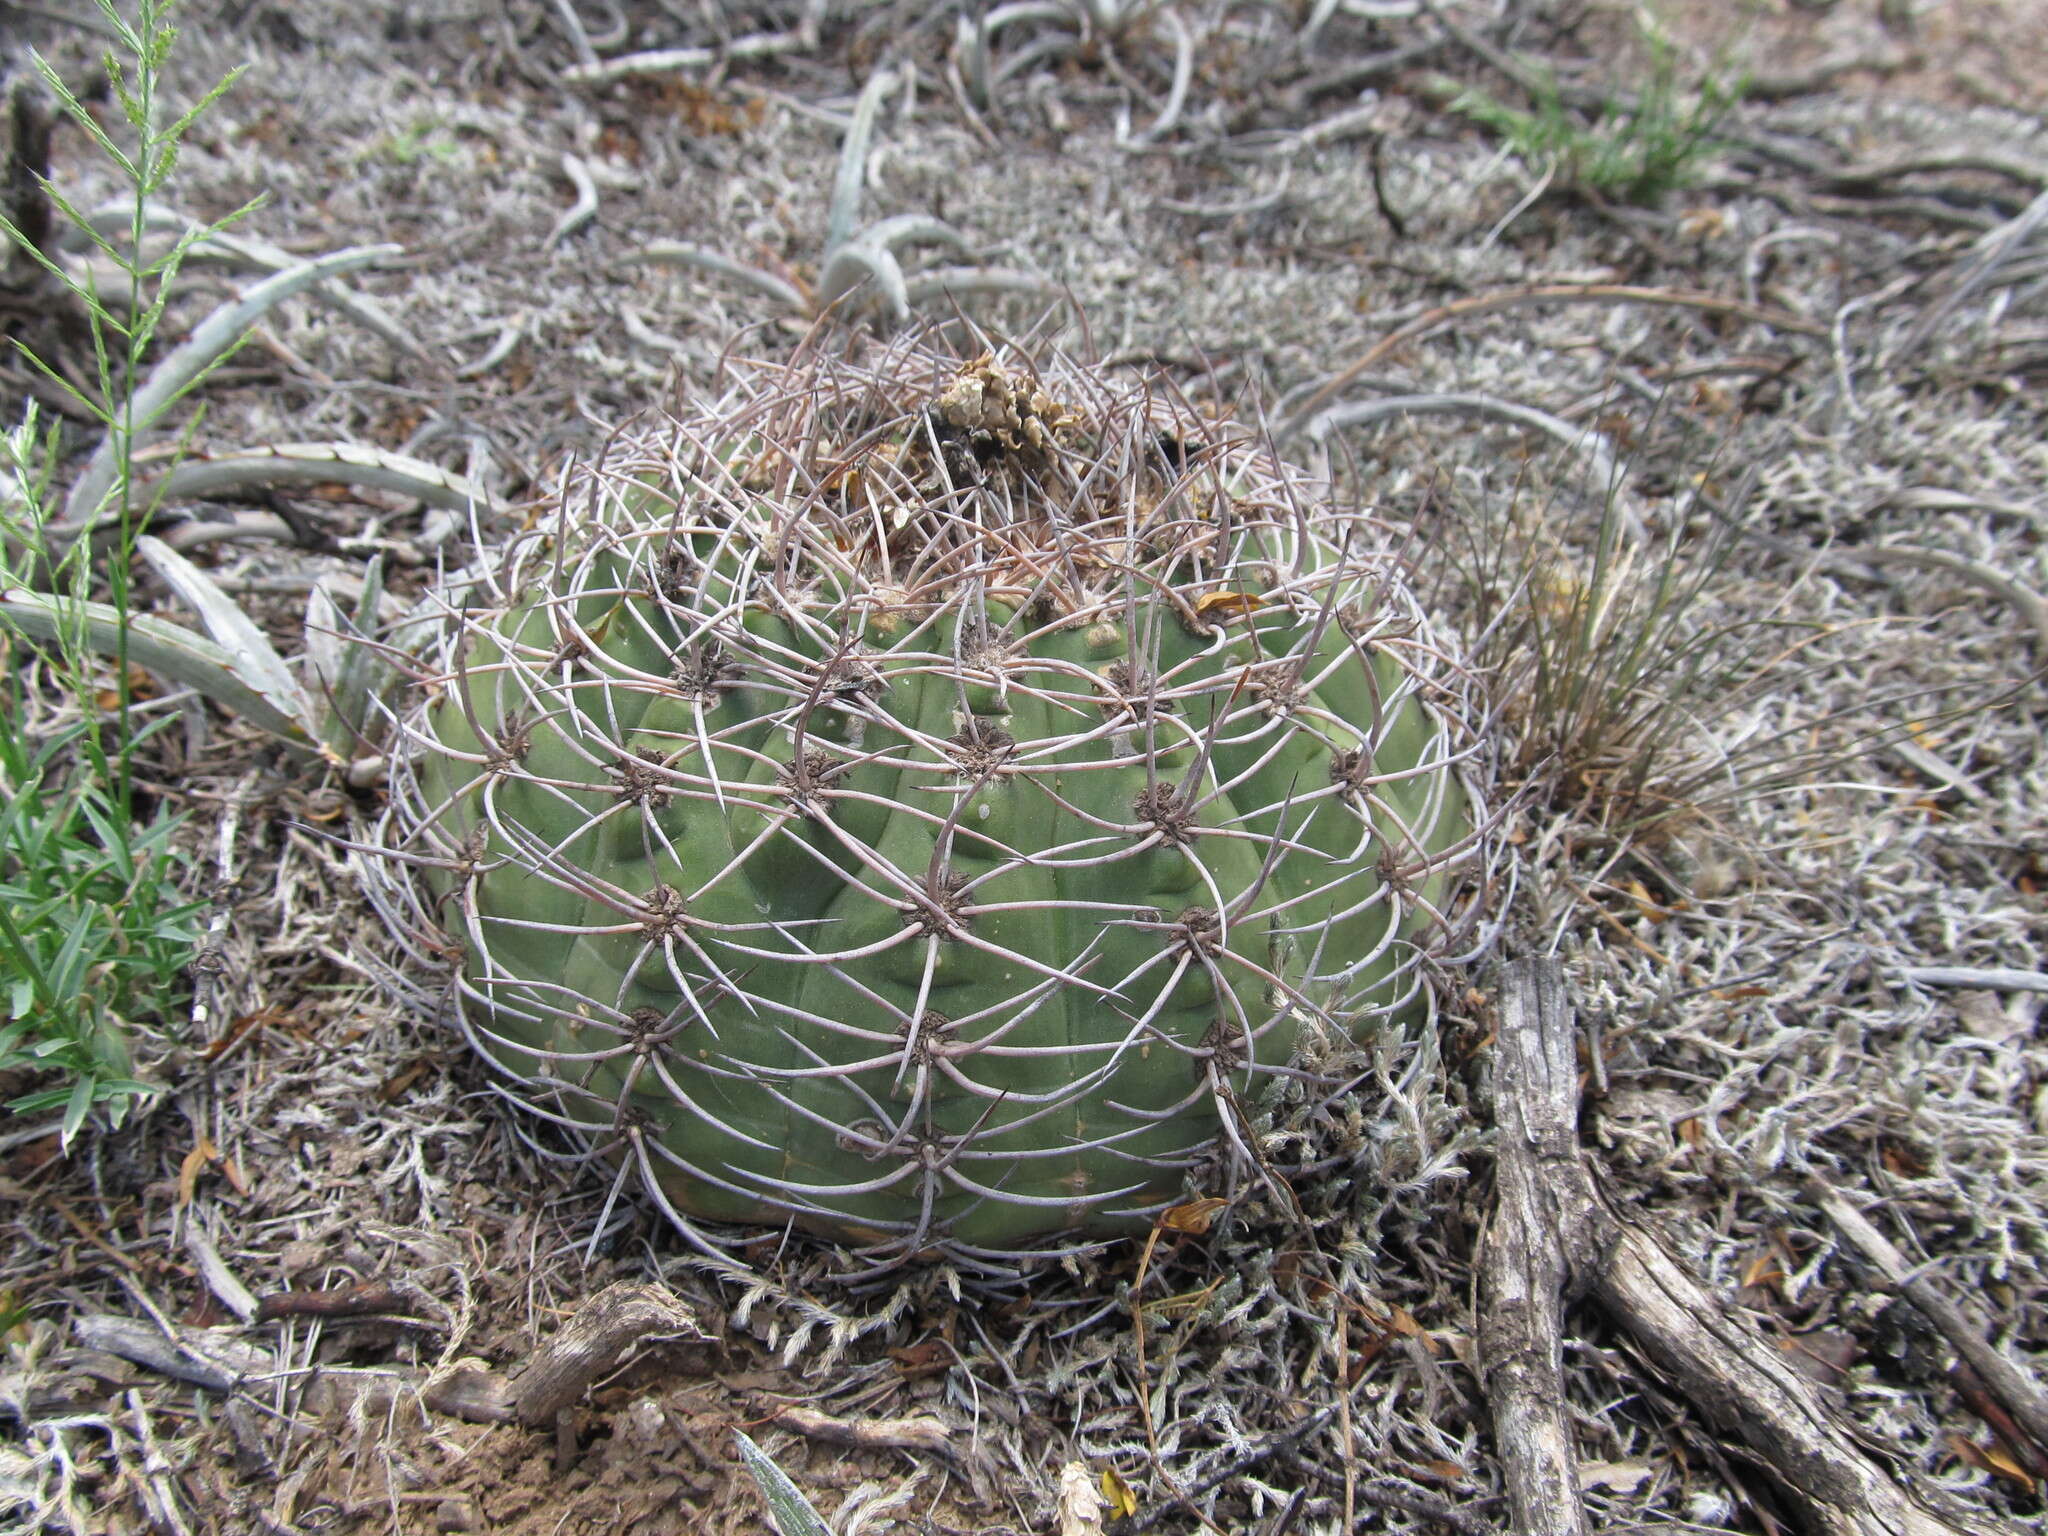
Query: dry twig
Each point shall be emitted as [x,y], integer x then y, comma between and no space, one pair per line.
[2014,1389]
[921,1433]
[1544,293]
[1745,1388]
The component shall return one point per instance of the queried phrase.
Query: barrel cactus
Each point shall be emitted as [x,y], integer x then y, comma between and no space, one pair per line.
[925,802]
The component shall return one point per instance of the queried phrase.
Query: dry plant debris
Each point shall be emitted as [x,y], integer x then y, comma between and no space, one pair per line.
[1766,973]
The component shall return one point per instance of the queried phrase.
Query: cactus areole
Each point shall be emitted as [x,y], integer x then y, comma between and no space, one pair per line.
[930,803]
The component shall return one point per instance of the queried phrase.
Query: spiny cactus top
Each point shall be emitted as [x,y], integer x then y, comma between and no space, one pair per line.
[924,801]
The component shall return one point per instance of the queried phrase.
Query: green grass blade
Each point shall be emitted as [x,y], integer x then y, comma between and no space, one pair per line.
[853,162]
[230,628]
[790,1511]
[172,652]
[211,341]
[199,475]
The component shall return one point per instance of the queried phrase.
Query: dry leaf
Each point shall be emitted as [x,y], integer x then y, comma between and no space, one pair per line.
[394,1087]
[1228,605]
[1822,1355]
[1122,1502]
[1614,1476]
[1647,906]
[1902,1160]
[202,1153]
[1081,1504]
[1363,1357]
[1992,1459]
[923,1359]
[1704,223]
[1403,1322]
[1764,1269]
[1196,1216]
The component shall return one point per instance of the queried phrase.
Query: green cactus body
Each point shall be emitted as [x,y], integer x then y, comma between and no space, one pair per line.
[927,825]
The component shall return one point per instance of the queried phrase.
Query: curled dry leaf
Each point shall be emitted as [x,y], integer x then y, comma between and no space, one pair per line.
[1123,1502]
[1228,605]
[1196,1216]
[1081,1505]
[1615,1476]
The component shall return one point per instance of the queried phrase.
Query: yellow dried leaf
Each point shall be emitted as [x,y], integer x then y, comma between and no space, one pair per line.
[2003,1465]
[1647,906]
[1123,1503]
[1703,223]
[202,1153]
[1228,605]
[1992,1459]
[1196,1216]
[1764,1269]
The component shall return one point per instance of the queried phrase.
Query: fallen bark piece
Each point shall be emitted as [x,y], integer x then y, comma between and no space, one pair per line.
[922,1433]
[1523,1272]
[2014,1390]
[469,1390]
[215,1358]
[1751,1392]
[591,1342]
[221,1280]
[1747,1390]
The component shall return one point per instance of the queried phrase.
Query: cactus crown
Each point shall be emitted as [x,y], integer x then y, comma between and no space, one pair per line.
[924,802]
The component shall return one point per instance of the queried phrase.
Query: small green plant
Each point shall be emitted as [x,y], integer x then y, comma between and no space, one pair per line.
[93,932]
[123,328]
[322,708]
[1635,150]
[426,139]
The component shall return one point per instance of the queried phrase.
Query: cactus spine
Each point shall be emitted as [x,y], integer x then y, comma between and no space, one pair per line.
[925,802]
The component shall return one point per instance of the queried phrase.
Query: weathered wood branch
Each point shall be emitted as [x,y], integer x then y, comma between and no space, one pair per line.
[590,1344]
[1746,1389]
[219,1359]
[1523,1272]
[560,1371]
[2013,1388]
[921,1433]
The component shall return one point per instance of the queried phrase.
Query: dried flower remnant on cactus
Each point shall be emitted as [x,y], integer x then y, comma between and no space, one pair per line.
[936,809]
